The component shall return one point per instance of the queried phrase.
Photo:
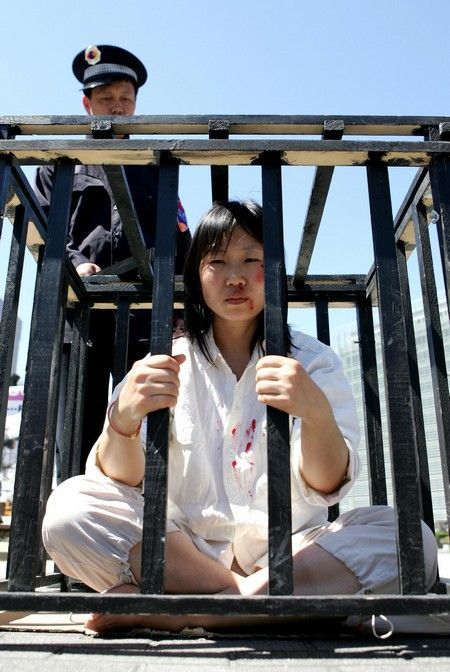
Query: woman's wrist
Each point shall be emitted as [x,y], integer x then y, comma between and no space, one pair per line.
[118,430]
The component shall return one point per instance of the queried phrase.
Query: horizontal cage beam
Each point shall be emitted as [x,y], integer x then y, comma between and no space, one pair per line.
[225,152]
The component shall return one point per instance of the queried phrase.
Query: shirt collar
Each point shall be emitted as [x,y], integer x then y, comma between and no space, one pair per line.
[216,355]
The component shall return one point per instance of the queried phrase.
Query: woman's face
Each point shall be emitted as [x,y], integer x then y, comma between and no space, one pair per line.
[232,278]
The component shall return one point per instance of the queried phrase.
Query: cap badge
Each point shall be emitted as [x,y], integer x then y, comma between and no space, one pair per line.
[92,55]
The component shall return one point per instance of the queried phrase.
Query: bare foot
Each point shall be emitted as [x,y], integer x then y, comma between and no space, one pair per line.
[110,622]
[105,622]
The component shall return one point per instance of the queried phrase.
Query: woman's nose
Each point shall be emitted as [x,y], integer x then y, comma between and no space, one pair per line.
[235,278]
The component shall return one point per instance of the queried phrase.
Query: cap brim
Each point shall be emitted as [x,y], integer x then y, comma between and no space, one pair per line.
[109,80]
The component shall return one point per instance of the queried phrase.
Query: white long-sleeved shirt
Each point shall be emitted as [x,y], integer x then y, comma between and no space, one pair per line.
[218,457]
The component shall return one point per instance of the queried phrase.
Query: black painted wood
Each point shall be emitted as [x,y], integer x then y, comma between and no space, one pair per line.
[5,172]
[156,470]
[435,347]
[246,124]
[402,221]
[371,395]
[440,186]
[48,460]
[341,291]
[82,327]
[337,290]
[33,433]
[226,152]
[219,130]
[25,410]
[323,321]
[323,175]
[122,197]
[101,129]
[312,606]
[425,503]
[10,309]
[121,341]
[323,335]
[398,384]
[27,197]
[444,130]
[71,448]
[278,448]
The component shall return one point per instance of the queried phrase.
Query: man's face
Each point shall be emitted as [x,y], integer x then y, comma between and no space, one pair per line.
[110,99]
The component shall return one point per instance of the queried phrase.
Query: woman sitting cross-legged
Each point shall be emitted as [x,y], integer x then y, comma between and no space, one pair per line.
[217,383]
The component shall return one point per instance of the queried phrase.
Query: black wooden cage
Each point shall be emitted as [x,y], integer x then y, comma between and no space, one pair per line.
[373,144]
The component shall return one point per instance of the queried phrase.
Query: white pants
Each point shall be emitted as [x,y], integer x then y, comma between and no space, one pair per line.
[91,525]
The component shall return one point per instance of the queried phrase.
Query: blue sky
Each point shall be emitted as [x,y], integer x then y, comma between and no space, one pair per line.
[245,57]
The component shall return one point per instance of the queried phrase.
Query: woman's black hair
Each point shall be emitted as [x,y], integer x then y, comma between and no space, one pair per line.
[216,226]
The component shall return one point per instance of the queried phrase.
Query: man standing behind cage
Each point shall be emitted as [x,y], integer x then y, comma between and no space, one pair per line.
[110,77]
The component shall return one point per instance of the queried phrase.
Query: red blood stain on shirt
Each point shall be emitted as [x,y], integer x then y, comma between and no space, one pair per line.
[233,464]
[250,433]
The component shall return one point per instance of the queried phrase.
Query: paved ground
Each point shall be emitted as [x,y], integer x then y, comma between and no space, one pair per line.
[326,651]
[63,652]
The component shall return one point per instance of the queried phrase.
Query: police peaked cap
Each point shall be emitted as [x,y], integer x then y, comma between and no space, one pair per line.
[103,64]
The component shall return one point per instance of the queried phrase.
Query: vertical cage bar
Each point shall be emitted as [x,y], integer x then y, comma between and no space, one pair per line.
[10,309]
[33,438]
[425,503]
[278,448]
[75,393]
[5,174]
[156,470]
[435,347]
[6,133]
[323,335]
[440,187]
[40,258]
[371,396]
[323,321]
[80,332]
[52,417]
[121,341]
[219,130]
[398,385]
[332,130]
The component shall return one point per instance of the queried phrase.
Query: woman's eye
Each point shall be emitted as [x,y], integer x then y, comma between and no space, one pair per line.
[216,261]
[253,260]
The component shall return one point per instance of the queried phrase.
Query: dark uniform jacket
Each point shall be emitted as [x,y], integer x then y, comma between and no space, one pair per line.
[96,235]
[95,231]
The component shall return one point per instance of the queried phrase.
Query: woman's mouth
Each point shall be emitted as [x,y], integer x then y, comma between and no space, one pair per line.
[236,300]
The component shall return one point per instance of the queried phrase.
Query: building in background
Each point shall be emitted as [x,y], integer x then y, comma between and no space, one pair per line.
[10,444]
[8,451]
[346,346]
[16,342]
